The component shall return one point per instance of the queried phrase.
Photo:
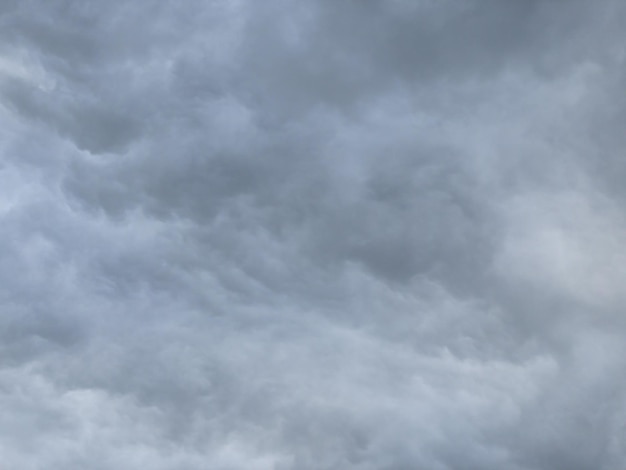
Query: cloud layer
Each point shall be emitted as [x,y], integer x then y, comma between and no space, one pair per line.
[372,235]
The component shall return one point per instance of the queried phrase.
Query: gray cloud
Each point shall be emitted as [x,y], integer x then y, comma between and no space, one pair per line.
[326,235]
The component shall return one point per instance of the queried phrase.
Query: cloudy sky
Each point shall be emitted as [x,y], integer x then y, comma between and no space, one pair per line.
[312,234]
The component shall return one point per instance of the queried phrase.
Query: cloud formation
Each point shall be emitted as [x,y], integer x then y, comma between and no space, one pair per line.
[372,235]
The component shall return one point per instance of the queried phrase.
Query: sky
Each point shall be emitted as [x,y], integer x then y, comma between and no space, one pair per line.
[312,235]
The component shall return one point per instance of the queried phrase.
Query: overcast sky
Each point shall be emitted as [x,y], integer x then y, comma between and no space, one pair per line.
[312,235]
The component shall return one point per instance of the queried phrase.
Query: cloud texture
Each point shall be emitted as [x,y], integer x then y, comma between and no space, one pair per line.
[312,235]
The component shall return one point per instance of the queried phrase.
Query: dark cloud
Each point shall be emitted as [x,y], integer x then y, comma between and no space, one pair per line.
[337,234]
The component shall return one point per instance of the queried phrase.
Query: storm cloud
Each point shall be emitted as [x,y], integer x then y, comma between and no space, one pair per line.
[315,234]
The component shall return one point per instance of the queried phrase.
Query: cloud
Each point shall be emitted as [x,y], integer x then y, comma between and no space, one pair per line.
[356,235]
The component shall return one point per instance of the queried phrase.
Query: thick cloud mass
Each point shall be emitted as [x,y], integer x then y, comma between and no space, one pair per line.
[312,235]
